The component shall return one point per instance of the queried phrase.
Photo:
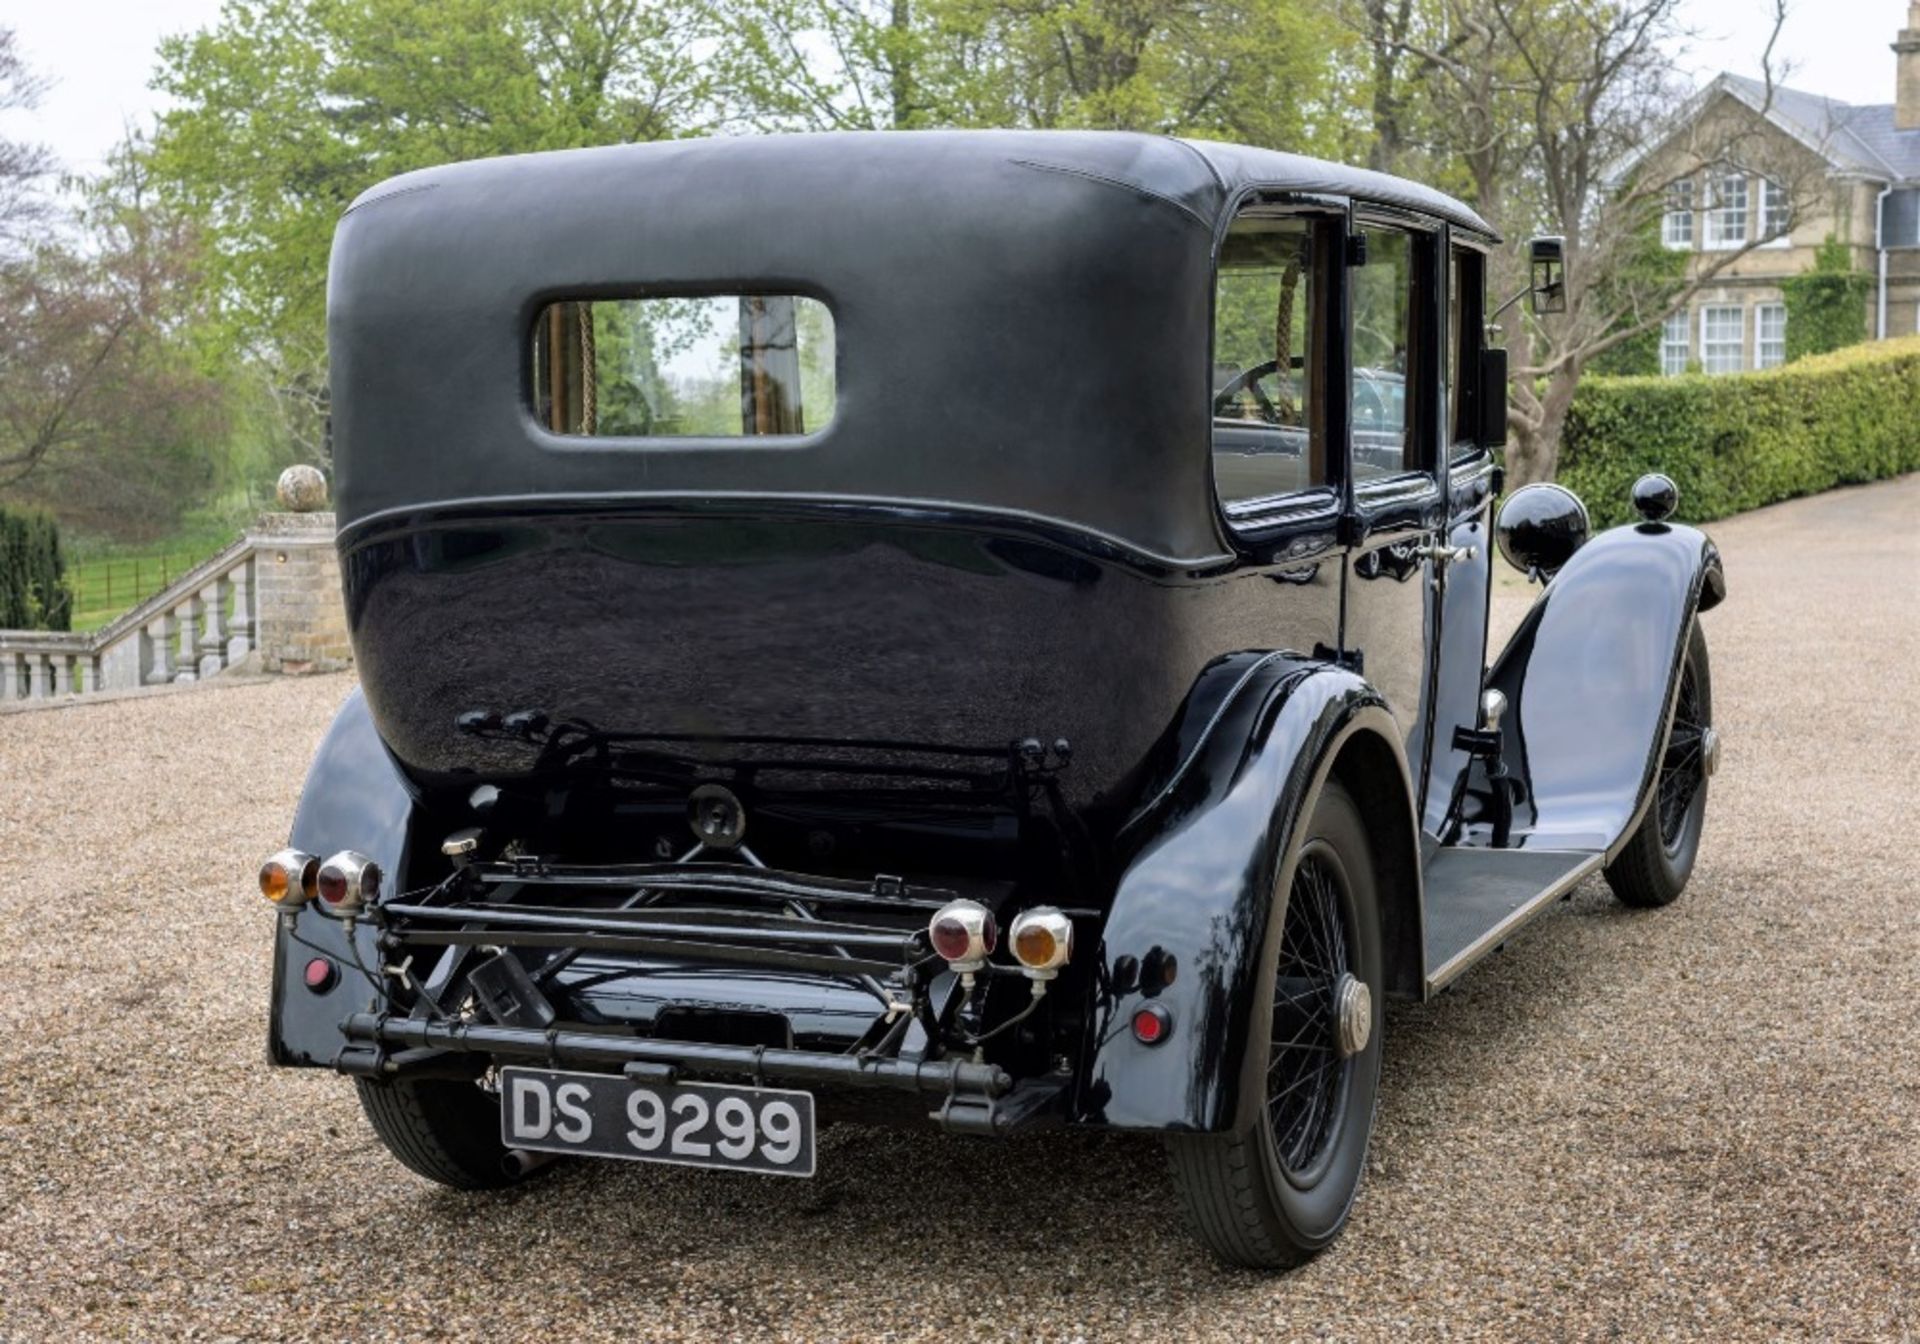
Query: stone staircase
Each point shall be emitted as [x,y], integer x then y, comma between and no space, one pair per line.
[271,600]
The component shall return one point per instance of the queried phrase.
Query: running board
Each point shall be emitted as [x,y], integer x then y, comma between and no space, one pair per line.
[1479,898]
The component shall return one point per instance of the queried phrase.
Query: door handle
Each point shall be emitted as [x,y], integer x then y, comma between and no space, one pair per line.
[1444,555]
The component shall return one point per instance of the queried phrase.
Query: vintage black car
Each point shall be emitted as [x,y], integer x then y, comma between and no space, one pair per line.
[778,566]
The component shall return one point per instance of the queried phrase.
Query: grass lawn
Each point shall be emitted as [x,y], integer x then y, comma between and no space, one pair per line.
[108,584]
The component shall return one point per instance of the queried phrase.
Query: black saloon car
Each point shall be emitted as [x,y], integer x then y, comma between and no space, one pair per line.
[974,629]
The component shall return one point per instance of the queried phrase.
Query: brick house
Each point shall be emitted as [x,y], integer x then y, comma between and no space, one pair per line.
[1857,170]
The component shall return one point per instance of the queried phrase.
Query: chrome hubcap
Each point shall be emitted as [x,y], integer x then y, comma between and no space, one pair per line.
[1352,1015]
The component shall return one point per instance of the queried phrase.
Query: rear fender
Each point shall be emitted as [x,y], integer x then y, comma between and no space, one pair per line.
[1191,923]
[355,798]
[1589,677]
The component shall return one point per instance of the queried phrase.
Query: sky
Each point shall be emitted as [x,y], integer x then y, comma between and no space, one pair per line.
[100,54]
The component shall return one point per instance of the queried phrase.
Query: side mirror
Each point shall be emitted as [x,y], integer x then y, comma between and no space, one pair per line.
[1491,401]
[1547,256]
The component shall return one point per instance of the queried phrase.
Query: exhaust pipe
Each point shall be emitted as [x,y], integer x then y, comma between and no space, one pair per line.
[520,1162]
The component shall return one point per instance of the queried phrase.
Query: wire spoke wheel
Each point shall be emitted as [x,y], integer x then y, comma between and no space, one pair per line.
[1683,767]
[1277,1187]
[1307,1070]
[1655,861]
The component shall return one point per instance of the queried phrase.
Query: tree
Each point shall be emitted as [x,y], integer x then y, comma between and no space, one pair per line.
[23,167]
[102,412]
[1259,71]
[1647,266]
[834,65]
[288,109]
[33,584]
[1826,306]
[1538,101]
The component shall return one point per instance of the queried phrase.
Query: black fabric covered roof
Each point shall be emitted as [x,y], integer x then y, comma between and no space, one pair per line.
[1022,317]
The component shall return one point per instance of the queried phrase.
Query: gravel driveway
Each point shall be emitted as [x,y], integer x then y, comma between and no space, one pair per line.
[1697,1122]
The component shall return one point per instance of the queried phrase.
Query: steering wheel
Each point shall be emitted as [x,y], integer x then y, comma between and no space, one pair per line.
[1248,380]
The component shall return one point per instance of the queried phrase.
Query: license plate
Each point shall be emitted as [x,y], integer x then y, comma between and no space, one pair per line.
[694,1124]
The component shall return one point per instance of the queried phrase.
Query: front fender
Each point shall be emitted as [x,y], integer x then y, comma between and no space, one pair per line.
[355,797]
[1589,676]
[1192,915]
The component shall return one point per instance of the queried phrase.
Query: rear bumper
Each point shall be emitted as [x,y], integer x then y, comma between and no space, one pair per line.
[966,1097]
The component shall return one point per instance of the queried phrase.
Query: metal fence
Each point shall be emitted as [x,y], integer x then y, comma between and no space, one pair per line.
[106,587]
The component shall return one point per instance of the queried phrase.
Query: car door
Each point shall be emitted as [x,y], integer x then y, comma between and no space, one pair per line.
[1395,510]
[1466,576]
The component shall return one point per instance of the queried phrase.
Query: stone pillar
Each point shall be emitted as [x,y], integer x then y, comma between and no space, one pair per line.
[240,628]
[189,646]
[302,616]
[160,650]
[63,674]
[42,668]
[9,675]
[213,644]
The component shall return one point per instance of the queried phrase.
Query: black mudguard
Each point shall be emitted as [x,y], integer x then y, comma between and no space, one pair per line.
[355,798]
[1589,677]
[1192,916]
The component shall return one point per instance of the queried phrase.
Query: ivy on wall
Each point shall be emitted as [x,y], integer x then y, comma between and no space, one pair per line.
[1826,306]
[1738,441]
[33,589]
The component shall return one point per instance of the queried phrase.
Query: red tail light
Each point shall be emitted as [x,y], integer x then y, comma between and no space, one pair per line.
[349,882]
[964,934]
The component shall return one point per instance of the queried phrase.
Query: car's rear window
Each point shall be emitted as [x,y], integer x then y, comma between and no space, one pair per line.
[713,366]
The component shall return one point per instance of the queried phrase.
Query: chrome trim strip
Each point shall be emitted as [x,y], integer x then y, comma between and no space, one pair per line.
[1519,916]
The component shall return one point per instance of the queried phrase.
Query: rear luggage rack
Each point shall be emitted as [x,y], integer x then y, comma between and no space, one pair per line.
[716,929]
[722,879]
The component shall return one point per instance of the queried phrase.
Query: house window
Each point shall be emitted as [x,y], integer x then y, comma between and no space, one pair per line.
[1776,215]
[1727,220]
[1722,338]
[1769,335]
[1676,226]
[1673,344]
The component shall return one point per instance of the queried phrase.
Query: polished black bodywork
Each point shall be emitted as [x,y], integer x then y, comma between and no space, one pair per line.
[989,631]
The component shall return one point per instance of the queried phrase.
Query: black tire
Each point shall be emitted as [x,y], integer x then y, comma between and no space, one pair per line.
[1274,1194]
[1652,870]
[447,1130]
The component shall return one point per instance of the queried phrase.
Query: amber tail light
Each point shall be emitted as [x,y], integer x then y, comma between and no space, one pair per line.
[290,878]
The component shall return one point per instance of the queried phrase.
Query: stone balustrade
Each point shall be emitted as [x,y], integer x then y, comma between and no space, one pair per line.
[274,593]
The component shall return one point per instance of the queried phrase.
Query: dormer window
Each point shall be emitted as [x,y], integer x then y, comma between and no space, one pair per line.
[1676,226]
[1727,218]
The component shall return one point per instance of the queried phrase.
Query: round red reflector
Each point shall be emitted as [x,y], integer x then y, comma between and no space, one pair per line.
[320,975]
[1151,1024]
[950,938]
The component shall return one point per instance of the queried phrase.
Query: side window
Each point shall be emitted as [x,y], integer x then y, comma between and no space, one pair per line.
[1268,434]
[1385,362]
[1466,309]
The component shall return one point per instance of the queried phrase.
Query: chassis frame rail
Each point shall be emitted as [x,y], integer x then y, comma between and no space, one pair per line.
[961,1079]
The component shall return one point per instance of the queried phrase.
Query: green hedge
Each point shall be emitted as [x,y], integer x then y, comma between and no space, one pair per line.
[1738,441]
[33,586]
